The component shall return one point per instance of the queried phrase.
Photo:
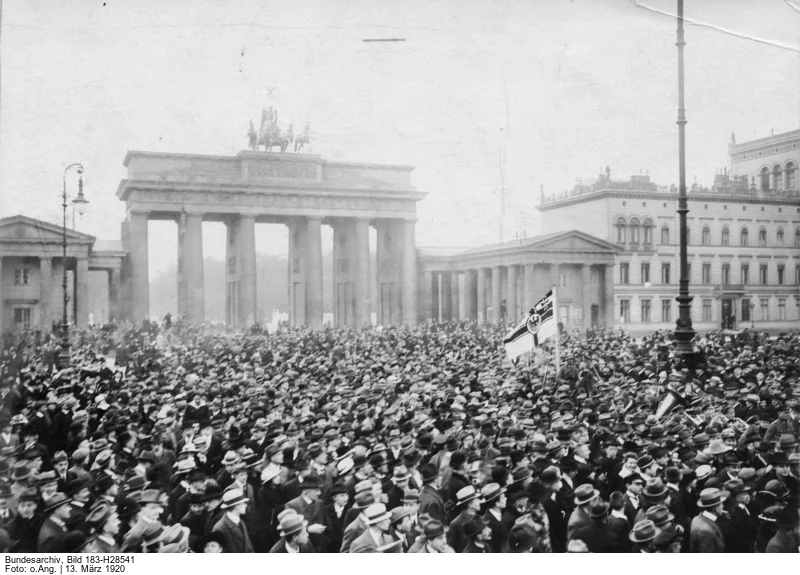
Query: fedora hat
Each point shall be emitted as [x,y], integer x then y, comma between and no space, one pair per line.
[232,498]
[429,473]
[21,471]
[717,447]
[150,496]
[398,513]
[737,486]
[643,532]
[787,441]
[659,515]
[400,473]
[585,493]
[654,489]
[788,518]
[474,526]
[55,502]
[231,458]
[99,515]
[174,535]
[411,496]
[433,529]
[270,472]
[712,497]
[376,513]
[128,507]
[292,523]
[599,510]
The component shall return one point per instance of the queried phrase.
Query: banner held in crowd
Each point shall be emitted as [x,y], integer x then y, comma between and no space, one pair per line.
[539,324]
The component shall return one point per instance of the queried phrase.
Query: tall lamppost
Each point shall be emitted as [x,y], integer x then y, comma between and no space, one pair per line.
[79,203]
[684,332]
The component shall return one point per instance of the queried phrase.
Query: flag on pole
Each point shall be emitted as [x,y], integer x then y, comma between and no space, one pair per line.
[538,325]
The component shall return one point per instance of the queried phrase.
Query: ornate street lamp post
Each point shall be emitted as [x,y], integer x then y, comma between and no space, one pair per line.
[684,332]
[79,204]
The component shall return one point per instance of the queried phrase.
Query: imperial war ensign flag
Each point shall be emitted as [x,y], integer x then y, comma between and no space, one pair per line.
[539,324]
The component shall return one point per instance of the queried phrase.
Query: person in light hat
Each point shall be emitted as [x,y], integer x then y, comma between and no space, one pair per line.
[231,525]
[376,538]
[585,497]
[706,534]
[468,504]
[294,534]
[493,503]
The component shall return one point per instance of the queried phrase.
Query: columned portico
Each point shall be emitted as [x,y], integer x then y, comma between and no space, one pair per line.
[531,268]
[138,256]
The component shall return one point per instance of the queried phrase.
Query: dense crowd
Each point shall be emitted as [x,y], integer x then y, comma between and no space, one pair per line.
[429,440]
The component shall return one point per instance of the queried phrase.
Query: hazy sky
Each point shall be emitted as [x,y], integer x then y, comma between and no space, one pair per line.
[566,86]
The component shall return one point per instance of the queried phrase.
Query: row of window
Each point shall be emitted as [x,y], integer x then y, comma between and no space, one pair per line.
[779,178]
[666,310]
[629,232]
[705,278]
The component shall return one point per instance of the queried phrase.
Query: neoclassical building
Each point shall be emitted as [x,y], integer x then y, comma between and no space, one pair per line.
[743,239]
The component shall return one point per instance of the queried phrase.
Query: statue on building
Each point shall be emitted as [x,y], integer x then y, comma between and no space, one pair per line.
[733,137]
[303,139]
[608,173]
[253,137]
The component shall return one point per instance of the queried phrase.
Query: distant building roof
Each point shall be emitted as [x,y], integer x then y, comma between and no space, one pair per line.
[107,246]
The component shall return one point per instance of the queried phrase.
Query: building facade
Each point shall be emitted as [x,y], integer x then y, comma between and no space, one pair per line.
[32,272]
[743,241]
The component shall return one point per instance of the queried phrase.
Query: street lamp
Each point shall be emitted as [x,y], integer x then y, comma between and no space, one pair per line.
[79,204]
[684,332]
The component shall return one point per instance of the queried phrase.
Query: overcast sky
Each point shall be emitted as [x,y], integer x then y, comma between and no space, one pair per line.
[565,86]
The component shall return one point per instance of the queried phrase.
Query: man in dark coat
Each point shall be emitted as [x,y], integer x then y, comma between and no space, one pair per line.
[468,504]
[494,502]
[430,501]
[334,516]
[743,525]
[294,535]
[51,535]
[706,535]
[231,525]
[308,505]
[478,534]
[596,535]
[24,527]
[787,539]
[555,509]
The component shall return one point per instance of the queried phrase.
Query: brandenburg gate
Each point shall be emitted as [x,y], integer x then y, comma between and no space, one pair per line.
[301,191]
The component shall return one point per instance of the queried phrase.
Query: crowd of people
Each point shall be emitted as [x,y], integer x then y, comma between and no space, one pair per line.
[177,439]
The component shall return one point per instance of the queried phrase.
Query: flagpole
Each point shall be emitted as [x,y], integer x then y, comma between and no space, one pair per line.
[558,335]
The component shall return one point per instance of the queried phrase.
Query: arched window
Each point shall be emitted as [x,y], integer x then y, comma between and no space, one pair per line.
[726,236]
[706,236]
[764,175]
[777,177]
[647,233]
[744,242]
[762,238]
[665,236]
[789,174]
[622,226]
[634,232]
[779,237]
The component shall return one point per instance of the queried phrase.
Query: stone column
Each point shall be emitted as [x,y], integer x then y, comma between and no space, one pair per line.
[82,292]
[511,299]
[46,294]
[496,299]
[193,268]
[427,296]
[114,289]
[409,273]
[246,264]
[586,290]
[296,272]
[363,300]
[481,295]
[530,287]
[447,296]
[232,271]
[470,298]
[455,302]
[608,295]
[554,270]
[313,262]
[138,255]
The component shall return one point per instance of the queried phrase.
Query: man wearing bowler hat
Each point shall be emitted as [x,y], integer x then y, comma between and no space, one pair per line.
[231,525]
[706,535]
